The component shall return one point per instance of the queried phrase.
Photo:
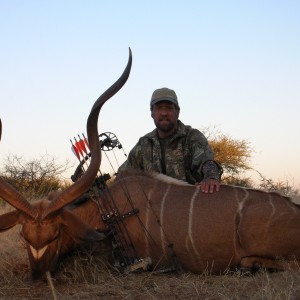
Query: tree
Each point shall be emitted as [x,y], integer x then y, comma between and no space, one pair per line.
[284,188]
[34,178]
[233,155]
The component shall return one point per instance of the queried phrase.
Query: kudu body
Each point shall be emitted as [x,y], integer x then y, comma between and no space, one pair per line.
[233,228]
[173,222]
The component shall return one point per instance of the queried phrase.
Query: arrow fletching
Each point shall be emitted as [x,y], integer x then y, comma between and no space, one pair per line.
[75,150]
[86,142]
[82,145]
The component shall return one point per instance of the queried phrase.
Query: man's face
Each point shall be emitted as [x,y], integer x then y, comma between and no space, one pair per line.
[165,115]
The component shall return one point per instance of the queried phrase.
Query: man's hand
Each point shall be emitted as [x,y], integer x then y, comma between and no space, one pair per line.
[209,185]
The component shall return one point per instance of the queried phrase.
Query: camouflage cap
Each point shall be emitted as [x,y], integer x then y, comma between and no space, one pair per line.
[163,94]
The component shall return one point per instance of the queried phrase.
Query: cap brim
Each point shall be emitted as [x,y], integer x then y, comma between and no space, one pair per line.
[155,101]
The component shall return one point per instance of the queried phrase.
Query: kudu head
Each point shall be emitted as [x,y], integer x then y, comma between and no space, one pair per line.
[47,227]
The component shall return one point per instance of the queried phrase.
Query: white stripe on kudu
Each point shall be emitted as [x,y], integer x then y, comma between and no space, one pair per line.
[161,218]
[191,218]
[147,219]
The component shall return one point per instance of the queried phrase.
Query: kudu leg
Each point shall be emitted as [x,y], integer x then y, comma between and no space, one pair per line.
[255,263]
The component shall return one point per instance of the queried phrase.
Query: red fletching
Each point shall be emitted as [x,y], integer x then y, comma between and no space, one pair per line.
[75,150]
[82,145]
[86,142]
[77,145]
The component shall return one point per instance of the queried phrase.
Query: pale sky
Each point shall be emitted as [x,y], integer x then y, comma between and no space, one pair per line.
[234,65]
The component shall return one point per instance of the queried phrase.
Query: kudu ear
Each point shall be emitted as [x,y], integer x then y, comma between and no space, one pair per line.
[10,219]
[79,230]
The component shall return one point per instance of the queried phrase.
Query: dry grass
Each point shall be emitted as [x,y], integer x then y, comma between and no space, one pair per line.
[83,276]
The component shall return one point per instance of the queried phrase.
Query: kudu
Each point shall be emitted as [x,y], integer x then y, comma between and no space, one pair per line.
[170,222]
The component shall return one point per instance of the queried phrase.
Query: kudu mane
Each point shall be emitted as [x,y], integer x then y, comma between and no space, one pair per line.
[153,175]
[173,181]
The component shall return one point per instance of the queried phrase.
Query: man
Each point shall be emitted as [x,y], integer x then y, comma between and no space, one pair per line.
[173,148]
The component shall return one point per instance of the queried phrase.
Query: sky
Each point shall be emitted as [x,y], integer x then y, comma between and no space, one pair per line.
[235,66]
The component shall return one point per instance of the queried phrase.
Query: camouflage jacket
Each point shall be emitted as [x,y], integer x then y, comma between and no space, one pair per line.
[186,155]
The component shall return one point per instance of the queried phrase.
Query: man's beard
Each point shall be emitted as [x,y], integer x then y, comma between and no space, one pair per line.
[166,126]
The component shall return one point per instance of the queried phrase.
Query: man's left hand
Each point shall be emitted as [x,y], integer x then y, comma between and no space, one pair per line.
[209,185]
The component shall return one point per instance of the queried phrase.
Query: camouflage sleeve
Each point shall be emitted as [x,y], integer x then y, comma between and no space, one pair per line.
[212,169]
[203,165]
[134,159]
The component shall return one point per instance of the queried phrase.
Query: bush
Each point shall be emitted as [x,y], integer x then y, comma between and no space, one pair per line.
[34,178]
